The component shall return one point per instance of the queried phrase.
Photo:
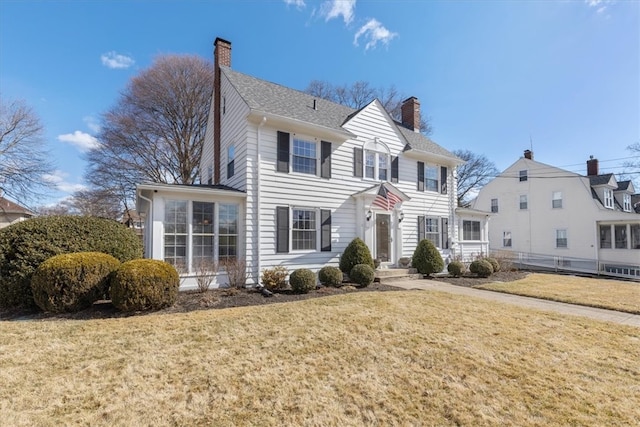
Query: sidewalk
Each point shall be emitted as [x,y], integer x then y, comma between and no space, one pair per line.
[529,302]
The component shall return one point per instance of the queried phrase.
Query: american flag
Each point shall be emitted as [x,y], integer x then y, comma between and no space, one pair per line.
[385,199]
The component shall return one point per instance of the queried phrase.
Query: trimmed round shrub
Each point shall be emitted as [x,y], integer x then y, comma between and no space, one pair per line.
[302,280]
[330,276]
[494,263]
[426,258]
[72,282]
[275,278]
[144,284]
[356,253]
[25,245]
[481,267]
[456,268]
[362,274]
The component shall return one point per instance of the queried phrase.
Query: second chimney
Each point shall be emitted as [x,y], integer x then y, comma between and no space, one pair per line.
[411,113]
[528,154]
[592,166]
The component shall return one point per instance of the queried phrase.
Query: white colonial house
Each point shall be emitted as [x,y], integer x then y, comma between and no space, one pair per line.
[542,214]
[291,179]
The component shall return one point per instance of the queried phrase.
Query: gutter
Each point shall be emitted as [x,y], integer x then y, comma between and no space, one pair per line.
[259,198]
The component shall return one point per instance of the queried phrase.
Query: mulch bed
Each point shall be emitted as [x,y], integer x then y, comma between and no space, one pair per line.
[226,298]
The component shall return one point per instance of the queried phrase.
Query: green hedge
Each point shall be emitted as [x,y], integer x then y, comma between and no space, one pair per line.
[25,245]
[362,274]
[426,258]
[330,276]
[302,281]
[144,284]
[356,253]
[72,282]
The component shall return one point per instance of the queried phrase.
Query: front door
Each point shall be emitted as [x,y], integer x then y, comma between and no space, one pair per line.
[383,237]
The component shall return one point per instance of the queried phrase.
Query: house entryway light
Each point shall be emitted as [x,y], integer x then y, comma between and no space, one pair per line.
[369,214]
[400,216]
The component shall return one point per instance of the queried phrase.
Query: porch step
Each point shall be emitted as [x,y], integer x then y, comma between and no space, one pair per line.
[389,275]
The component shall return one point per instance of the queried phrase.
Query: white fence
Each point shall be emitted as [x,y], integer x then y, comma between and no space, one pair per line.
[525,260]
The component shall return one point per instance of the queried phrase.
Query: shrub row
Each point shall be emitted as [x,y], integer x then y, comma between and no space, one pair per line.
[72,282]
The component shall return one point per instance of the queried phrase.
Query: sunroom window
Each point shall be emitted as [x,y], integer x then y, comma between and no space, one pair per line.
[470,230]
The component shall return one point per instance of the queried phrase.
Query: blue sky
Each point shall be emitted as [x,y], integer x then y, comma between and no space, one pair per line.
[495,77]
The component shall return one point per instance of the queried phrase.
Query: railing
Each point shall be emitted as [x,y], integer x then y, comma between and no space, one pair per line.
[525,260]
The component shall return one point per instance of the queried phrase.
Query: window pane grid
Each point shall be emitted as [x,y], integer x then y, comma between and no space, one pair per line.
[304,230]
[431,178]
[228,231]
[432,232]
[506,239]
[470,230]
[304,156]
[561,238]
[175,238]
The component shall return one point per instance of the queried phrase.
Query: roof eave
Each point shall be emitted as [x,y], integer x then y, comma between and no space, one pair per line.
[195,189]
[336,135]
[419,154]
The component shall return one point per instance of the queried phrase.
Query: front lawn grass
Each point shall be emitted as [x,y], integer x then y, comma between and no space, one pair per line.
[392,358]
[602,293]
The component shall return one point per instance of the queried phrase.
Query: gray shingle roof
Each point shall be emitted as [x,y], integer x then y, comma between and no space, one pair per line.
[7,206]
[623,185]
[279,100]
[600,179]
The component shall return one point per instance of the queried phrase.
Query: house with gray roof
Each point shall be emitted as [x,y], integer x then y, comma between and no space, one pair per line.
[11,212]
[550,216]
[291,179]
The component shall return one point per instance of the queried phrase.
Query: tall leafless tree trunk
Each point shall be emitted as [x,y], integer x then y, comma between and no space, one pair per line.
[23,155]
[155,132]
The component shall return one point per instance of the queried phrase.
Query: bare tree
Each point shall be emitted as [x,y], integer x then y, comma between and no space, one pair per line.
[92,202]
[23,155]
[633,164]
[155,132]
[475,173]
[360,93]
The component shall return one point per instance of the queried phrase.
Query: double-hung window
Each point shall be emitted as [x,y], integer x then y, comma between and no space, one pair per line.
[605,237]
[376,165]
[524,203]
[304,229]
[524,176]
[304,156]
[494,205]
[431,178]
[556,200]
[608,198]
[506,239]
[620,232]
[175,232]
[470,230]
[626,202]
[561,238]
[432,231]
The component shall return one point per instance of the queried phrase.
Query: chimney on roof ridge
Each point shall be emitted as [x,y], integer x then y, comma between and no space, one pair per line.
[528,154]
[221,57]
[411,113]
[592,166]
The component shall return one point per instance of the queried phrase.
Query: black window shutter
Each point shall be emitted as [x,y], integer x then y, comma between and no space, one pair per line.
[325,159]
[443,179]
[325,238]
[357,162]
[420,228]
[420,176]
[283,152]
[445,233]
[394,169]
[282,229]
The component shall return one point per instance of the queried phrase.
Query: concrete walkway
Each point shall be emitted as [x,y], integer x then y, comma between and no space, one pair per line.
[529,302]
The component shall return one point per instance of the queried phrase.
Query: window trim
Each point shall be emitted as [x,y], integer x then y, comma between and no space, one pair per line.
[624,236]
[284,229]
[470,237]
[608,198]
[555,199]
[526,202]
[377,155]
[559,238]
[524,175]
[504,239]
[626,202]
[494,206]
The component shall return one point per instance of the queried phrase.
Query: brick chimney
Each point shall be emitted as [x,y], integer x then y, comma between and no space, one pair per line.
[528,154]
[592,166]
[221,57]
[411,113]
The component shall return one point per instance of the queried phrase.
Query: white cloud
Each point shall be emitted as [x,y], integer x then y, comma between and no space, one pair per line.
[115,60]
[336,8]
[58,179]
[601,6]
[92,123]
[83,141]
[297,3]
[373,32]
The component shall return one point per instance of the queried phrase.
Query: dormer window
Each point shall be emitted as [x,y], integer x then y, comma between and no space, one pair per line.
[608,198]
[626,202]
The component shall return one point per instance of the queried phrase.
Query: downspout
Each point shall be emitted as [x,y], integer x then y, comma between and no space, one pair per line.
[259,198]
[148,237]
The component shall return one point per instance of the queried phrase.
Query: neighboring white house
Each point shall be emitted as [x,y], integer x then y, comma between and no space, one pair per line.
[291,179]
[541,212]
[11,213]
